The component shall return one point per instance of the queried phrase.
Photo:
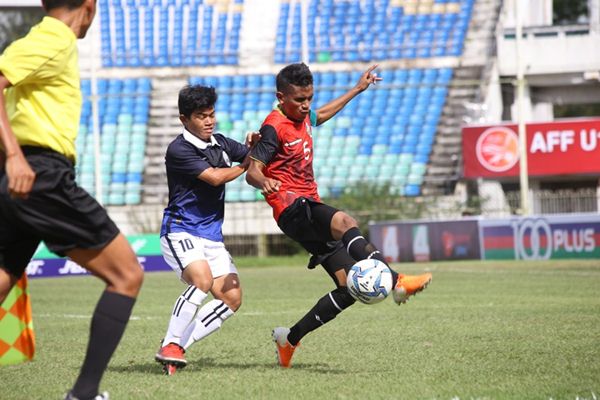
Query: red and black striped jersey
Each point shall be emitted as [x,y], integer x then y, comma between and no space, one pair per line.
[286,149]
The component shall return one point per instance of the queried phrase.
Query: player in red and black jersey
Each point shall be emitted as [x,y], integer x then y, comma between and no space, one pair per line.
[282,168]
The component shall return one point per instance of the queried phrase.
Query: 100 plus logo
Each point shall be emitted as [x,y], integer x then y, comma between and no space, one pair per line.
[537,239]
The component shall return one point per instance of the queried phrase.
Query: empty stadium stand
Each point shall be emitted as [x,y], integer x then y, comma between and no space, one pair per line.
[402,133]
[385,135]
[123,120]
[372,30]
[174,33]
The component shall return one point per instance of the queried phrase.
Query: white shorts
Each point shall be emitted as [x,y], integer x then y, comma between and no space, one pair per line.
[179,249]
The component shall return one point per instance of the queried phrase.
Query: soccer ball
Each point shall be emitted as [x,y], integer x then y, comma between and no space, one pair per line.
[369,281]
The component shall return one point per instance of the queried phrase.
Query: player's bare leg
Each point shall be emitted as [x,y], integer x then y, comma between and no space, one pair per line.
[7,281]
[227,289]
[117,265]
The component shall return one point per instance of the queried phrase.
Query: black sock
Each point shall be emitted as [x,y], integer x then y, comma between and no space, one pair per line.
[108,324]
[326,309]
[358,247]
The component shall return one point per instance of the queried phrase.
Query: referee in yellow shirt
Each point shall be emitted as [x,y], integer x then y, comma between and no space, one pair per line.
[40,105]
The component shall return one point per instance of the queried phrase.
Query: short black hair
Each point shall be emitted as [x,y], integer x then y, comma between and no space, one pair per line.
[70,4]
[294,74]
[196,98]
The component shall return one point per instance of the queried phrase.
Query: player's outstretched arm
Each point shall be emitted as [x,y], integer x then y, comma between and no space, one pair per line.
[255,177]
[220,176]
[327,111]
[19,173]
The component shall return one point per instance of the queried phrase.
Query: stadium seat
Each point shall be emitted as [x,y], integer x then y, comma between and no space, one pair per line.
[378,31]
[122,138]
[160,26]
[412,190]
[384,135]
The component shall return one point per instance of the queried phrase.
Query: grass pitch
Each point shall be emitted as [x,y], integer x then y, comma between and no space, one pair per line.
[482,330]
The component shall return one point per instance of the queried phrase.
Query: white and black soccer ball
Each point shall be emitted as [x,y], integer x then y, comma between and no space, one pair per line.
[369,281]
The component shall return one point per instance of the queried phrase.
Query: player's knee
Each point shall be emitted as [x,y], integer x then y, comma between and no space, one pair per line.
[3,295]
[130,278]
[235,304]
[136,276]
[233,301]
[7,281]
[4,289]
[348,221]
[342,222]
[199,275]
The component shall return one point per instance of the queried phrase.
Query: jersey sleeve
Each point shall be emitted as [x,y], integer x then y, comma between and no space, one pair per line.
[30,60]
[236,150]
[267,146]
[313,118]
[182,159]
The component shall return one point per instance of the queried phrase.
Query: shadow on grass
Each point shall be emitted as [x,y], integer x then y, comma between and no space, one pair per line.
[206,363]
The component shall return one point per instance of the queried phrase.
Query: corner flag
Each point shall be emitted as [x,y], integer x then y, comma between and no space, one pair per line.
[17,340]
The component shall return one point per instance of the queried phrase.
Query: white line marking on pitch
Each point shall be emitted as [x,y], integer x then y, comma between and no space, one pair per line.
[137,318]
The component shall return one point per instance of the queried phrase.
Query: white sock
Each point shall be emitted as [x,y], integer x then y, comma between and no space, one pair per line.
[186,308]
[209,319]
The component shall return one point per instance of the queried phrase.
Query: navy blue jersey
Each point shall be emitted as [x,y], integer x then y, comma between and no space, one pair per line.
[194,205]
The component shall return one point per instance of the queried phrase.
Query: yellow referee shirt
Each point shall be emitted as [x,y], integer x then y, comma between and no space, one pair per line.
[44,101]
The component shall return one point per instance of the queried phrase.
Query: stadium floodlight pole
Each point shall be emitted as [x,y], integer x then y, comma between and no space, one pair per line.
[523,170]
[95,116]
[304,30]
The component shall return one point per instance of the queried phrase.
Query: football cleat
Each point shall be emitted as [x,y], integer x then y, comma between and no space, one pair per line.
[100,396]
[408,285]
[173,354]
[285,350]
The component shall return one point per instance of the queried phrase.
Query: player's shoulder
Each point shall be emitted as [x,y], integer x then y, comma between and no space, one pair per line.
[226,142]
[279,123]
[222,139]
[177,141]
[179,145]
[275,118]
[49,35]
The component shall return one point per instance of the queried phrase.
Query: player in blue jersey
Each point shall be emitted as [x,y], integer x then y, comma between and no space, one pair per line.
[199,162]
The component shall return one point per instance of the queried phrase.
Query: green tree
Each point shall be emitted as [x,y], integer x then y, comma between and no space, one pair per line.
[567,12]
[372,202]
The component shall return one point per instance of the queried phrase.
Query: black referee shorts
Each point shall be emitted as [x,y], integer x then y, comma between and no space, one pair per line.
[57,211]
[309,223]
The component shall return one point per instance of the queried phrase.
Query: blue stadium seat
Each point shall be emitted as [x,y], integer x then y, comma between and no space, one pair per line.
[390,125]
[169,37]
[412,190]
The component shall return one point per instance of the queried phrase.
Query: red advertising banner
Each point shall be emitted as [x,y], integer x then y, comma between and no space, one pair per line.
[562,147]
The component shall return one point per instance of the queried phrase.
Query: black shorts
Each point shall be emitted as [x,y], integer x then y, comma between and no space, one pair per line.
[309,223]
[57,211]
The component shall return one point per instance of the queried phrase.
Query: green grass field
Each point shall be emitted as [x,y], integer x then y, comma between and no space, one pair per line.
[482,330]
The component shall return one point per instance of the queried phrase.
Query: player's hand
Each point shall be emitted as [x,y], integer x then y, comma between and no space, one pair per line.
[246,163]
[20,176]
[252,138]
[270,186]
[368,78]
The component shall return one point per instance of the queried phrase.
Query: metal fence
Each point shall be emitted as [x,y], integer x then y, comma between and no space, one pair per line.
[558,201]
